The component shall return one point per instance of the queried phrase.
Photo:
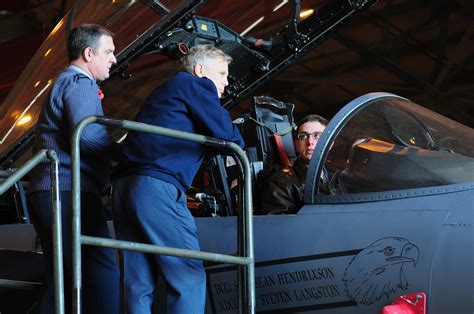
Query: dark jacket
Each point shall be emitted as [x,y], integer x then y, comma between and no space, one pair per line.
[185,103]
[284,190]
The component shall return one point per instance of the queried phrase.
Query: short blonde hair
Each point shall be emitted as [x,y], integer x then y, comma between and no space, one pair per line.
[201,54]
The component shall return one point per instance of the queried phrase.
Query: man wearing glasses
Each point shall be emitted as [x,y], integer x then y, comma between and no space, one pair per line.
[284,190]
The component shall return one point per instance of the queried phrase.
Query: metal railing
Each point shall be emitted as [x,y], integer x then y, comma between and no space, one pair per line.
[16,176]
[245,236]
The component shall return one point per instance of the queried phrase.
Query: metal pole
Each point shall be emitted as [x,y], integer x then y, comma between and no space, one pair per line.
[241,238]
[57,234]
[22,171]
[249,232]
[153,249]
[76,215]
[14,177]
[248,227]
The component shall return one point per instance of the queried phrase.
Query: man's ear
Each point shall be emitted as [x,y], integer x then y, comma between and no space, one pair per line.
[87,54]
[198,70]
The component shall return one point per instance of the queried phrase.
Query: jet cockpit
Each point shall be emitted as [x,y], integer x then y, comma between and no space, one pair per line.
[383,142]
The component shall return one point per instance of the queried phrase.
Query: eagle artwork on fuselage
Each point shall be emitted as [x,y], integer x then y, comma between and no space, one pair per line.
[377,270]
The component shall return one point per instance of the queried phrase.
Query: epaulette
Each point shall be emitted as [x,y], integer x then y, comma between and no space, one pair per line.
[80,77]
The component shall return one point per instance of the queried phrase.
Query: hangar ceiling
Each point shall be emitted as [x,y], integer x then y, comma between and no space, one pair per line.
[422,50]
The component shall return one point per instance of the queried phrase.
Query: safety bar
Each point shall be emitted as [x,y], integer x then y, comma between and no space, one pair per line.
[245,238]
[16,176]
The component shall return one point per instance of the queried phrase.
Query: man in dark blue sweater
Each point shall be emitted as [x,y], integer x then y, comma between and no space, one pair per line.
[149,201]
[74,96]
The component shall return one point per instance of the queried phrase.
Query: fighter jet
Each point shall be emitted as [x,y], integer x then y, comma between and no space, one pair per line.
[399,217]
[397,221]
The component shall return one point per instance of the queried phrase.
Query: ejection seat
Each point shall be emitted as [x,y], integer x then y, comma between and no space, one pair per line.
[269,140]
[267,131]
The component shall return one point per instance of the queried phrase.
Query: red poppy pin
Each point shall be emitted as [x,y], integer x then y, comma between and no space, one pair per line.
[101,95]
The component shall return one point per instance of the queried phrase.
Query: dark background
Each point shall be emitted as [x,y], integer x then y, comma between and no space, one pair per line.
[421,50]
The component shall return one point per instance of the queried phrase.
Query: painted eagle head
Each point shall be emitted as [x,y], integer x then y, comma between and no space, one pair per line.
[377,270]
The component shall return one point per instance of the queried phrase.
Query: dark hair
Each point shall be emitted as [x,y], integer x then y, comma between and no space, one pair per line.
[83,36]
[312,118]
[309,118]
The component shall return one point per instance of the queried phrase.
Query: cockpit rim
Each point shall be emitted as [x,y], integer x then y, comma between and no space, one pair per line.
[332,130]
[329,136]
[392,194]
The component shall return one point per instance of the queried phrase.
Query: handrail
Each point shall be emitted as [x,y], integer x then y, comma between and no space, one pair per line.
[16,176]
[245,238]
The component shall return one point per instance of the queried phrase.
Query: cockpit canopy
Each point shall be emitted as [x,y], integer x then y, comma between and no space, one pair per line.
[382,142]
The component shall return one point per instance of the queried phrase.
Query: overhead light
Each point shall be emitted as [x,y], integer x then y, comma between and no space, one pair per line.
[252,26]
[57,27]
[26,109]
[304,14]
[280,5]
[47,52]
[24,120]
[37,83]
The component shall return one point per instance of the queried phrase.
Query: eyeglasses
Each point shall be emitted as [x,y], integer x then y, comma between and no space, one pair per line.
[302,136]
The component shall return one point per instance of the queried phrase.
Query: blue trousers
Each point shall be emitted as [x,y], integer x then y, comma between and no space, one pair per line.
[152,211]
[100,275]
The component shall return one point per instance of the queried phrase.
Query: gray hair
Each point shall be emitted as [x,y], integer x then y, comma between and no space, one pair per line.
[83,36]
[201,54]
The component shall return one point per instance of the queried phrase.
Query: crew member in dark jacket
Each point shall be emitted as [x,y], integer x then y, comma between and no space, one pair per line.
[149,201]
[284,190]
